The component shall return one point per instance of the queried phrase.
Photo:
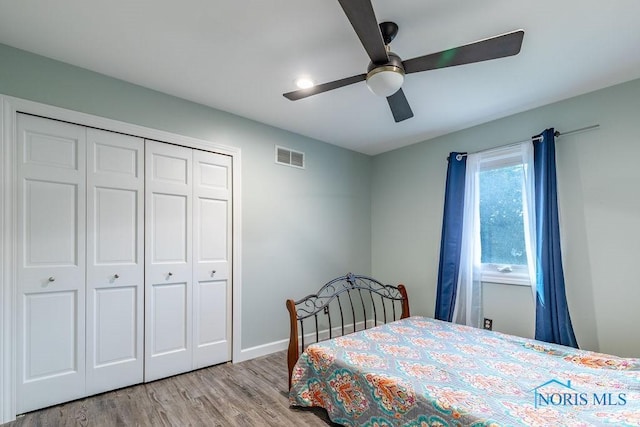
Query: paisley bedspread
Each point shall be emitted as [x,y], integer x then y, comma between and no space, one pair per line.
[424,372]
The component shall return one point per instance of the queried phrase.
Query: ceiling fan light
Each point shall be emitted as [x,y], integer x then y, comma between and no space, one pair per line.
[386,80]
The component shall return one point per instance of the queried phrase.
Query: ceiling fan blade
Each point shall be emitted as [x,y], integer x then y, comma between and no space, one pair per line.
[363,20]
[399,106]
[314,90]
[492,48]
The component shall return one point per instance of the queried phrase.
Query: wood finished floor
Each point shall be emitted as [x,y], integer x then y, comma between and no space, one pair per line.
[251,393]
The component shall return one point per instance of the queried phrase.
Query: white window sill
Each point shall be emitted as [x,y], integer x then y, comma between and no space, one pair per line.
[518,276]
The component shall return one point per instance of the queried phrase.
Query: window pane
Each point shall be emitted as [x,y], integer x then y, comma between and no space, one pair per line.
[501,220]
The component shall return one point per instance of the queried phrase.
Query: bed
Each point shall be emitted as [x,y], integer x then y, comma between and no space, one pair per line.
[417,371]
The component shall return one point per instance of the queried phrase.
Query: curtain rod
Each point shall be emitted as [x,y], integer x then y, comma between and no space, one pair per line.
[534,138]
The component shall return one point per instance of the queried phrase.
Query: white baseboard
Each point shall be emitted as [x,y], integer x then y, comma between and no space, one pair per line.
[261,350]
[276,346]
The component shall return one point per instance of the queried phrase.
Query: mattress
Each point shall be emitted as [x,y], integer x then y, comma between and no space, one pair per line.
[424,372]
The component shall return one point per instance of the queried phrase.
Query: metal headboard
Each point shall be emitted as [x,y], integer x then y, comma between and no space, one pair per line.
[356,297]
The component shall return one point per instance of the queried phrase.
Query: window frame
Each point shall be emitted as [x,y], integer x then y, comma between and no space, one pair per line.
[517,274]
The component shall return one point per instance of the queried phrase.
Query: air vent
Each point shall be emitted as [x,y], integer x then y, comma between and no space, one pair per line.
[288,157]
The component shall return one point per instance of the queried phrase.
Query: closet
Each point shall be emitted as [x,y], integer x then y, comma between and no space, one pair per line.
[123,260]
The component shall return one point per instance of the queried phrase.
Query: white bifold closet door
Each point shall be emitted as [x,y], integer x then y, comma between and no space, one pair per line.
[80,261]
[115,260]
[211,258]
[50,262]
[123,261]
[169,290]
[188,250]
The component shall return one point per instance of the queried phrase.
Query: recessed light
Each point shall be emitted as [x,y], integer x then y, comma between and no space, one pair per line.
[304,82]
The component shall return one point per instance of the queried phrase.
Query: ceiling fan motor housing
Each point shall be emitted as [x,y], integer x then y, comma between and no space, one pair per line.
[394,60]
[385,79]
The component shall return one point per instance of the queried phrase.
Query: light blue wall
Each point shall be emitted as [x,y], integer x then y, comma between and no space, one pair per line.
[599,205]
[301,228]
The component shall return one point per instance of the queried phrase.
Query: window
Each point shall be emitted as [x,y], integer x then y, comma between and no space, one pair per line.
[502,219]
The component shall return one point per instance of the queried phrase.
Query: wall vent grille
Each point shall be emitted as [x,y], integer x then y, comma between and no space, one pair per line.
[288,157]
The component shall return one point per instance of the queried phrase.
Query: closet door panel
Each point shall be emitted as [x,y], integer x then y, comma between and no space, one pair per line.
[115,261]
[212,254]
[50,221]
[115,329]
[213,241]
[211,323]
[116,227]
[168,282]
[50,321]
[169,302]
[50,262]
[168,226]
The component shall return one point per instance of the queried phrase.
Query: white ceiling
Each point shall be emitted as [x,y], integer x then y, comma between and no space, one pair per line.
[241,56]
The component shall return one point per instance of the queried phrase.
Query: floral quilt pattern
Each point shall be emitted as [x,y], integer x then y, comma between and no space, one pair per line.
[424,372]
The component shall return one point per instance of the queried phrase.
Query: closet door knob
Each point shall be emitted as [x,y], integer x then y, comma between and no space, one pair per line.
[213,272]
[170,274]
[52,279]
[116,276]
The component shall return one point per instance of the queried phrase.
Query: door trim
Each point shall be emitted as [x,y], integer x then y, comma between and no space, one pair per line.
[9,107]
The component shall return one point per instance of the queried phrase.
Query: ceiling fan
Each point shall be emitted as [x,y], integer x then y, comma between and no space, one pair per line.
[386,70]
